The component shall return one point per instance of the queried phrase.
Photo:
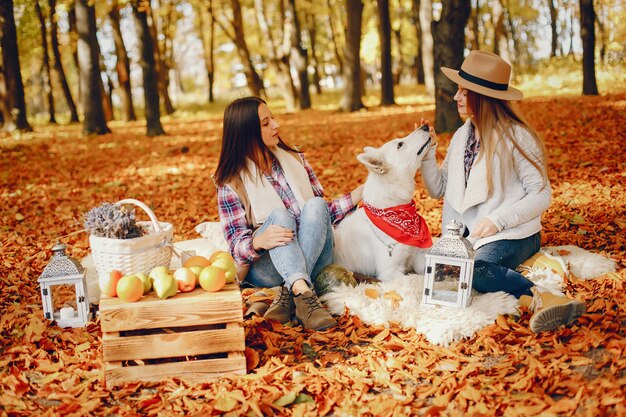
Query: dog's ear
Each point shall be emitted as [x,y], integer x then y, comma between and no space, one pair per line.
[373,160]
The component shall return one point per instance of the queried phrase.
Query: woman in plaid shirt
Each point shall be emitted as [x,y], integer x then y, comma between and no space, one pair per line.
[273,214]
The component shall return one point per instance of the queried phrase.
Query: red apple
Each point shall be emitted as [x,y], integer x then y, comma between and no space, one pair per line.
[108,283]
[186,279]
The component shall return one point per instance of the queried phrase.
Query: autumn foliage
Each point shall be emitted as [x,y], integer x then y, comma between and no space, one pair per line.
[52,177]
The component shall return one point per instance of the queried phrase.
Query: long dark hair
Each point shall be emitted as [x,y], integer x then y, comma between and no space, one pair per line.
[241,139]
[494,120]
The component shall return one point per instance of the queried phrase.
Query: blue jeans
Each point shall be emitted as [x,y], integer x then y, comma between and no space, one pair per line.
[302,258]
[495,263]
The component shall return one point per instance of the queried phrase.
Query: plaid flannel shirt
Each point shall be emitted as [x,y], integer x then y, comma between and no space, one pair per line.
[238,232]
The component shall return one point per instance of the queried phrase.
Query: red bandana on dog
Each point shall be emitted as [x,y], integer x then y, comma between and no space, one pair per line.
[402,223]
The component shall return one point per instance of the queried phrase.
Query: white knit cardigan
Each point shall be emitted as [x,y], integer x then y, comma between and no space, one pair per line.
[519,194]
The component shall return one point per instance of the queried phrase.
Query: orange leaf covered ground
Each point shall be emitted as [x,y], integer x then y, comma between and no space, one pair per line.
[50,178]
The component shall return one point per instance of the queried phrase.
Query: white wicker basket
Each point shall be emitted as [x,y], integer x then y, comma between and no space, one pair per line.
[139,254]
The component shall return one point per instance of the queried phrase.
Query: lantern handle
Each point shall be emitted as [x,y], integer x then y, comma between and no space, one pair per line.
[150,213]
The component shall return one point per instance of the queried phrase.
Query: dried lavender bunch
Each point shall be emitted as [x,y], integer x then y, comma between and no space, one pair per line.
[109,220]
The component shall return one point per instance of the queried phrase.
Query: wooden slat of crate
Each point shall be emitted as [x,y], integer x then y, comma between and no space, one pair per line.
[179,329]
[192,371]
[170,345]
[198,307]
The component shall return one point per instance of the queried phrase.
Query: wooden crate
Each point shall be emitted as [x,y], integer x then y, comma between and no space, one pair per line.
[195,336]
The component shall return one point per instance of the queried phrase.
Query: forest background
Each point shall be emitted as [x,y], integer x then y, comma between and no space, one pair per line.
[139,115]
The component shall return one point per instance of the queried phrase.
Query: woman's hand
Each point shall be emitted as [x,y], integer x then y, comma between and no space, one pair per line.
[272,237]
[433,137]
[484,228]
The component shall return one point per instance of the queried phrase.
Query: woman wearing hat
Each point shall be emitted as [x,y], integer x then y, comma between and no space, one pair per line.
[494,180]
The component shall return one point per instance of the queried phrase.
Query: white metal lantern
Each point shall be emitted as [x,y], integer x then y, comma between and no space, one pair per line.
[64,270]
[449,269]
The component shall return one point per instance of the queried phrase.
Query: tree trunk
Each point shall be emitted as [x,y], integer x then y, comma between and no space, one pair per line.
[255,84]
[426,18]
[122,67]
[208,45]
[279,54]
[71,17]
[351,100]
[333,34]
[299,57]
[554,43]
[587,32]
[419,60]
[45,64]
[88,62]
[146,61]
[602,32]
[384,33]
[449,41]
[500,38]
[312,29]
[160,69]
[58,65]
[14,106]
[399,66]
[475,26]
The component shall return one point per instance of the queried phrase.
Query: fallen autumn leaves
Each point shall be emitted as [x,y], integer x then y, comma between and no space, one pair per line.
[50,178]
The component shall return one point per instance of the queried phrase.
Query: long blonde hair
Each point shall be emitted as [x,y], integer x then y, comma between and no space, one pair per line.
[495,121]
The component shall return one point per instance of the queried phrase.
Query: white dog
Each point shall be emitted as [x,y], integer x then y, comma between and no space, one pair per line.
[360,244]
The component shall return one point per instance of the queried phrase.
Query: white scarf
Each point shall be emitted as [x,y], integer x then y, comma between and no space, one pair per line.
[262,195]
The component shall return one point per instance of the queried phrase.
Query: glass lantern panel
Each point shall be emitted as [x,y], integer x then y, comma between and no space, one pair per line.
[446,283]
[64,297]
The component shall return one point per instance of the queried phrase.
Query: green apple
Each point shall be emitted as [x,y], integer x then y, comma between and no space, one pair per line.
[228,265]
[165,286]
[196,270]
[147,282]
[158,271]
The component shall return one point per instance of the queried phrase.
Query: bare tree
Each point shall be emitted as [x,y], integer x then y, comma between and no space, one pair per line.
[351,100]
[122,66]
[333,35]
[554,43]
[449,40]
[45,63]
[588,35]
[255,84]
[312,29]
[500,36]
[384,32]
[278,51]
[58,64]
[419,61]
[146,61]
[299,57]
[208,44]
[162,71]
[12,90]
[426,19]
[91,87]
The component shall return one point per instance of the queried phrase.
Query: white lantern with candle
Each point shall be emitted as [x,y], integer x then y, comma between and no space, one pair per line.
[449,269]
[64,270]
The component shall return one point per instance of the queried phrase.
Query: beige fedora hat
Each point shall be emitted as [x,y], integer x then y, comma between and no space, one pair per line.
[487,74]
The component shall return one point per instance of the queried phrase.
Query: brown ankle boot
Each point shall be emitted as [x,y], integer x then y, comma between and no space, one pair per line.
[311,313]
[550,311]
[281,308]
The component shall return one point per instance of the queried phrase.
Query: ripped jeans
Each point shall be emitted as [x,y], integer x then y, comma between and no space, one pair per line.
[495,263]
[302,258]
